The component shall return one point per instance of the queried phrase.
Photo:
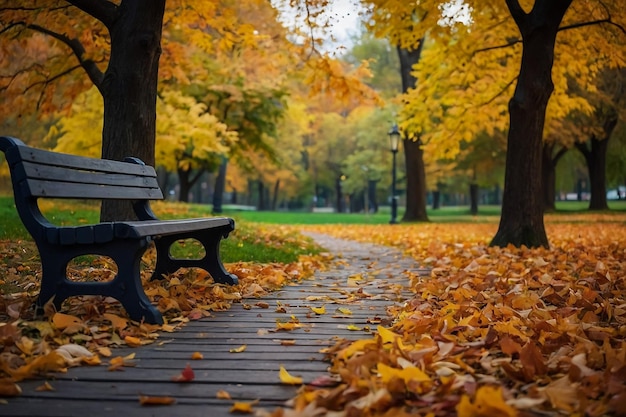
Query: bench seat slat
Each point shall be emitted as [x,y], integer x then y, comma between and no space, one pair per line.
[109,231]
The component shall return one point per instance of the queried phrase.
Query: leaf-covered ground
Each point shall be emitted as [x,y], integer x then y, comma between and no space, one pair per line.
[491,332]
[89,328]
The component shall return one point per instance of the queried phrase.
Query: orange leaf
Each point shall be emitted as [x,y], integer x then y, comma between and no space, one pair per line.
[150,400]
[132,341]
[223,395]
[197,356]
[61,321]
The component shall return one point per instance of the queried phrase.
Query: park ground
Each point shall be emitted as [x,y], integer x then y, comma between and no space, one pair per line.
[490,331]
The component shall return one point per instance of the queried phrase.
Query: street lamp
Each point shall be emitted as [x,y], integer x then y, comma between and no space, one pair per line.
[394,142]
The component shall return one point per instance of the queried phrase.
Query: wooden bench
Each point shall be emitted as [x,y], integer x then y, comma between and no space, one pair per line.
[36,174]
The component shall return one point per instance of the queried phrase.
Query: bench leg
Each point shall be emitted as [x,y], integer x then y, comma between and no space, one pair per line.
[211,262]
[126,287]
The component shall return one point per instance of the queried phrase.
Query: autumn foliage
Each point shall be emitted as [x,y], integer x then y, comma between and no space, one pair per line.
[492,331]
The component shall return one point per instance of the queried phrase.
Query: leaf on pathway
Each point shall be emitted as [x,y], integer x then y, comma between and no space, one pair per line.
[488,402]
[156,400]
[186,375]
[287,378]
[239,349]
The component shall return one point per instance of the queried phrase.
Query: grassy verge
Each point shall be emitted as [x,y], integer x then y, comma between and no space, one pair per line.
[250,242]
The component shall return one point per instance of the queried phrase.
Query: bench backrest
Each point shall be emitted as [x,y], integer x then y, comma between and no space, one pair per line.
[40,173]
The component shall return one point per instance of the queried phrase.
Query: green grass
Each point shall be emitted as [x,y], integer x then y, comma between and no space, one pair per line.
[249,242]
[258,236]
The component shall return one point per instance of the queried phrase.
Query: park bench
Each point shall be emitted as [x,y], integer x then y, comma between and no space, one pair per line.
[37,173]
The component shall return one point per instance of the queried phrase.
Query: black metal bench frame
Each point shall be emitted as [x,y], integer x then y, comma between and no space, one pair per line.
[37,173]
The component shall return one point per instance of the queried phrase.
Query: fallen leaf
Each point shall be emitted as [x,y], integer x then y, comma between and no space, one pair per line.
[488,402]
[223,395]
[132,341]
[186,375]
[44,387]
[153,400]
[9,388]
[319,310]
[197,356]
[243,407]
[287,378]
[239,349]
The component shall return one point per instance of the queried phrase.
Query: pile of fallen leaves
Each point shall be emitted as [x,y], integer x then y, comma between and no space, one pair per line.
[88,327]
[492,331]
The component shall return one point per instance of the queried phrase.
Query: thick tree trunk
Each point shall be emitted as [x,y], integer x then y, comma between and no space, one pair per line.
[129,88]
[413,153]
[220,185]
[595,156]
[521,222]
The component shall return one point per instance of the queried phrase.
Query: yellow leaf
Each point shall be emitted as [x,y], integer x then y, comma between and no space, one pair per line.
[104,351]
[344,310]
[319,310]
[286,378]
[243,407]
[239,349]
[386,335]
[411,373]
[487,402]
[353,327]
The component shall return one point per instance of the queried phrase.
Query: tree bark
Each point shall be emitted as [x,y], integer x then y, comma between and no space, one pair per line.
[220,185]
[413,154]
[521,222]
[548,174]
[595,156]
[129,88]
[473,191]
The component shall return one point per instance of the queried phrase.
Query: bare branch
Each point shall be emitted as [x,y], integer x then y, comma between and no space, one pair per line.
[499,93]
[93,72]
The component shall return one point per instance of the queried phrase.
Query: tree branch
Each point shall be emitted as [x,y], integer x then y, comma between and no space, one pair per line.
[103,10]
[515,41]
[517,12]
[93,72]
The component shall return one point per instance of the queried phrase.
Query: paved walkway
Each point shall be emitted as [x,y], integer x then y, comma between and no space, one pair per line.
[367,280]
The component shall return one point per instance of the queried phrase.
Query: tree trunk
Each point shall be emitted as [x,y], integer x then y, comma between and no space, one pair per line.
[129,89]
[413,153]
[220,185]
[275,196]
[548,174]
[521,222]
[339,194]
[473,191]
[596,165]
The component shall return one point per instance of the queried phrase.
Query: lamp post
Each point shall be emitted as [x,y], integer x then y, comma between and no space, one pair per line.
[394,142]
